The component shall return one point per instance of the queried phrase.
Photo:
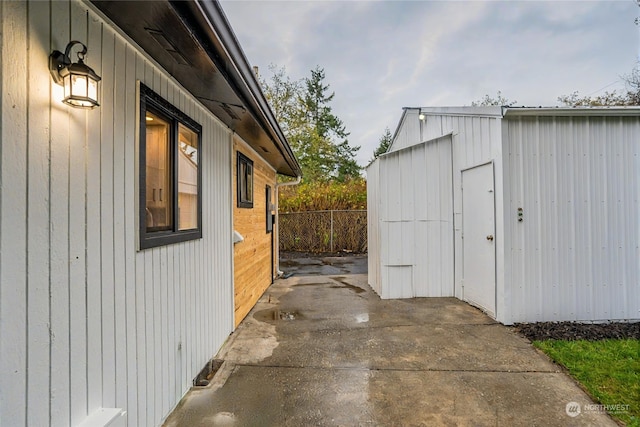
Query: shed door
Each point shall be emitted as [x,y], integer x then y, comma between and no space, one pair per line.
[478,238]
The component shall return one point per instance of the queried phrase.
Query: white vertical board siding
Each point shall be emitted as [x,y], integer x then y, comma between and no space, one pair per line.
[575,254]
[86,321]
[413,212]
[415,221]
[396,229]
[476,140]
[408,132]
[14,228]
[431,165]
[373,225]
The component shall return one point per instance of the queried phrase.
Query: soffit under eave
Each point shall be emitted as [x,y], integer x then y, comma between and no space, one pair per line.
[193,58]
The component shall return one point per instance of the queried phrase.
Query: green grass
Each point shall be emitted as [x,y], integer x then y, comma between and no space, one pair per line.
[608,369]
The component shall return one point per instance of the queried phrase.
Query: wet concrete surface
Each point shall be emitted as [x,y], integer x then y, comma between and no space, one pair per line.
[321,349]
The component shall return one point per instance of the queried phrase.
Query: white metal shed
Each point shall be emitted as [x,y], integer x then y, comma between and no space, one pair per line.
[531,214]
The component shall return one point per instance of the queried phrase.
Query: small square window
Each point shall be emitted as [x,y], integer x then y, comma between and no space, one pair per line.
[170,173]
[244,181]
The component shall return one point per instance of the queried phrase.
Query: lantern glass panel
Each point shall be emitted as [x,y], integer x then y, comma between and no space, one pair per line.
[93,89]
[67,86]
[78,85]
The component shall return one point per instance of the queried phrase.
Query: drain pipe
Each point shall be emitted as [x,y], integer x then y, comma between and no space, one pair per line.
[278,185]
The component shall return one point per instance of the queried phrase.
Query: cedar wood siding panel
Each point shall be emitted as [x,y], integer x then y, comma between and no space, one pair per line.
[87,320]
[252,257]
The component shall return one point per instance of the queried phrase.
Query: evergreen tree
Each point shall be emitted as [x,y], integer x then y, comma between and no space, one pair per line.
[385,143]
[333,158]
[282,94]
[317,136]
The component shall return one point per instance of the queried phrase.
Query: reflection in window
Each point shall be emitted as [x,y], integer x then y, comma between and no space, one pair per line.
[158,207]
[244,180]
[187,179]
[170,173]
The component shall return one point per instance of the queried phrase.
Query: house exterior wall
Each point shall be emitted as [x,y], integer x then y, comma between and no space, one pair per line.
[253,261]
[575,254]
[86,320]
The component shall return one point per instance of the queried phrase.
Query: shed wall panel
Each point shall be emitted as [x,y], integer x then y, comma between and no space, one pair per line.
[575,254]
[409,186]
[117,317]
[400,279]
[476,140]
[408,132]
[421,174]
[416,221]
[373,226]
[391,180]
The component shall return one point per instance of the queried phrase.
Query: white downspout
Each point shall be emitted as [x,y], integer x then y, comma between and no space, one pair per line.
[278,185]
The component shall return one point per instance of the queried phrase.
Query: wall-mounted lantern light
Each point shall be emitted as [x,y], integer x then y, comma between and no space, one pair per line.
[79,80]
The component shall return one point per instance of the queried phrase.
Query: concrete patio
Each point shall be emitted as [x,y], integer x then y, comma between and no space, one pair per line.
[320,348]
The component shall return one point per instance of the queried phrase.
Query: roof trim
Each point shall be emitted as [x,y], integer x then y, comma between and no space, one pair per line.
[409,147]
[488,111]
[400,123]
[216,73]
[244,78]
[508,112]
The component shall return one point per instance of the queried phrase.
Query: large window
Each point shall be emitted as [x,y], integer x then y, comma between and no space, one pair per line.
[244,181]
[170,173]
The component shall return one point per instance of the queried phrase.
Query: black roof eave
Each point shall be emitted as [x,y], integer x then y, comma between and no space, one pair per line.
[211,66]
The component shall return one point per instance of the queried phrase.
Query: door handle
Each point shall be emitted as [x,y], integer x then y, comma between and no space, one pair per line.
[490,237]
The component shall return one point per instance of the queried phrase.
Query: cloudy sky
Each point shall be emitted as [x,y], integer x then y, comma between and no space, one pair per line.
[380,56]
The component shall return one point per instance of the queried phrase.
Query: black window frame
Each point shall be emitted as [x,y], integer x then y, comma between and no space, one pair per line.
[151,101]
[269,210]
[243,202]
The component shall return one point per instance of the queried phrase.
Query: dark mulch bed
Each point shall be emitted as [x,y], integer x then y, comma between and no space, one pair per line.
[578,331]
